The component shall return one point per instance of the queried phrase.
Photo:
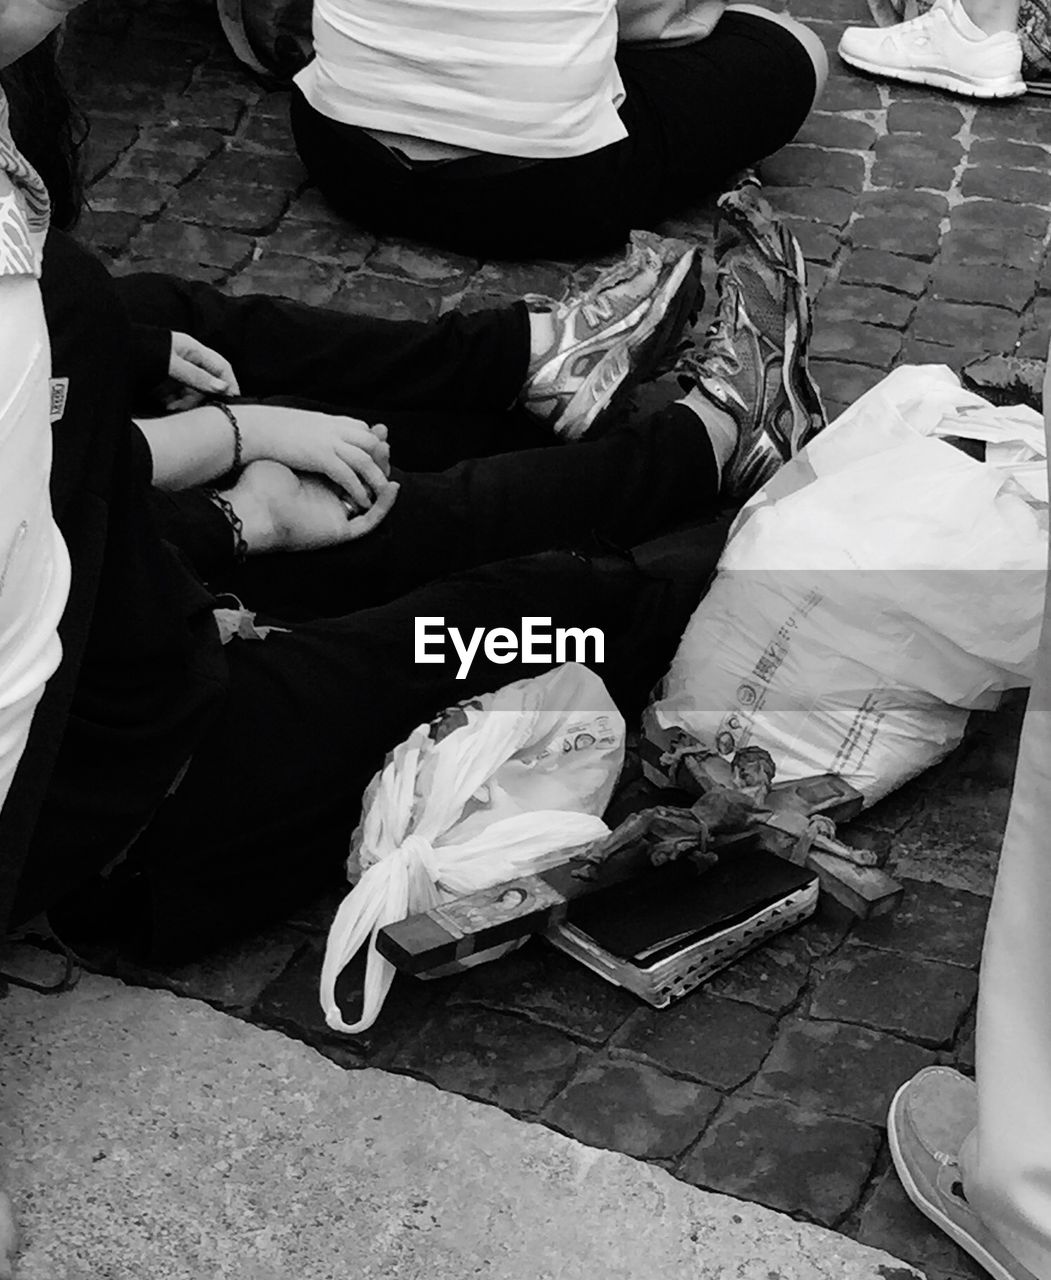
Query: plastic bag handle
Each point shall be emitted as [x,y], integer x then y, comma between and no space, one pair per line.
[381,896]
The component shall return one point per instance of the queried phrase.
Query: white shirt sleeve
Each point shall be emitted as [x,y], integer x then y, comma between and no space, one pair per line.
[34,565]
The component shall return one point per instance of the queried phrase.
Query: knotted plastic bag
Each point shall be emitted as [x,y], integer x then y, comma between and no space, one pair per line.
[496,787]
[883,585]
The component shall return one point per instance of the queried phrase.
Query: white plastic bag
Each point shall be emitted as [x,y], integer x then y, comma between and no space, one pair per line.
[881,587]
[497,787]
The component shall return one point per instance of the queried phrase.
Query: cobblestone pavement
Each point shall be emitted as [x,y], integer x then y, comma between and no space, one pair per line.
[925,223]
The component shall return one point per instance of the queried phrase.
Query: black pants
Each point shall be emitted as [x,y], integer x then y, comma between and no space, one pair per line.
[264,812]
[694,114]
[444,388]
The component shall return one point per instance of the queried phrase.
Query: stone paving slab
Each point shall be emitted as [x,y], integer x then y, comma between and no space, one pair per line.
[146,1135]
[925,221]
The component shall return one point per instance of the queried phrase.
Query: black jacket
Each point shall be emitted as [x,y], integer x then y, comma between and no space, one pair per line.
[142,669]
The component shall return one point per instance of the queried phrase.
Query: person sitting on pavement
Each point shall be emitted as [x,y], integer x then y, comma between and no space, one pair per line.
[183,790]
[524,131]
[969,47]
[975,1155]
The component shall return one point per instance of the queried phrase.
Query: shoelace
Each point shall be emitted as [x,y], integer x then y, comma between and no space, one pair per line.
[920,29]
[777,261]
[717,357]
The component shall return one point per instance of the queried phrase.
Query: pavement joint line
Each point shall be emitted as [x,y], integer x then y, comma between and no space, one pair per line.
[953,195]
[799,1215]
[869,1180]
[961,1021]
[626,1054]
[875,117]
[851,1223]
[713,1119]
[844,247]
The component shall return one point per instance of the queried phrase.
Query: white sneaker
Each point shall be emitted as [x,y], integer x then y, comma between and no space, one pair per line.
[943,48]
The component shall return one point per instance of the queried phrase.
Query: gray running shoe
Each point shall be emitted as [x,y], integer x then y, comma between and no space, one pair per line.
[753,362]
[614,335]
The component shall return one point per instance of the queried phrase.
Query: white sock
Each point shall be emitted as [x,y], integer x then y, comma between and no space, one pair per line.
[961,20]
[721,428]
[542,334]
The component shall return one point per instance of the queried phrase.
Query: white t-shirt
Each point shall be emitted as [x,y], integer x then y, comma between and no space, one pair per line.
[529,78]
[34,564]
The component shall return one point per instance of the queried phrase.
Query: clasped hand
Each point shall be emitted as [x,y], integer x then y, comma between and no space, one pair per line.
[283,510]
[342,487]
[353,456]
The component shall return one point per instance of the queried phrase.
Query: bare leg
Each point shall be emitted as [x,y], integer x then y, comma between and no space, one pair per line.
[992,15]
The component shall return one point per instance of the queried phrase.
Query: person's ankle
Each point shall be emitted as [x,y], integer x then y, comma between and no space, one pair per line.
[980,21]
[542,336]
[722,430]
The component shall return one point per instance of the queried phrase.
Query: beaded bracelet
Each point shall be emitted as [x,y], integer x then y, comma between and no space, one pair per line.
[228,413]
[233,520]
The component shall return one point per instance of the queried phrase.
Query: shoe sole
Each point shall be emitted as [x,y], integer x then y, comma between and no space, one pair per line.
[642,351]
[798,389]
[928,1208]
[1002,87]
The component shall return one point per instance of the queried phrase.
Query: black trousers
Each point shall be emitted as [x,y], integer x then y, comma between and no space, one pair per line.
[694,114]
[444,389]
[437,385]
[263,815]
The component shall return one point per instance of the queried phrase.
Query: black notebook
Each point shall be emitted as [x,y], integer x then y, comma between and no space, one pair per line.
[656,915]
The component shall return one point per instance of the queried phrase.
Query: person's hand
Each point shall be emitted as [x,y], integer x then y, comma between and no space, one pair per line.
[283,511]
[352,455]
[200,370]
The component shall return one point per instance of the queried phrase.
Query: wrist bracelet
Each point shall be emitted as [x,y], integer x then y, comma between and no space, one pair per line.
[228,413]
[233,520]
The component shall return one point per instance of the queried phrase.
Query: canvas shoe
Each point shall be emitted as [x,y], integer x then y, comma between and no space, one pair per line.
[943,48]
[753,361]
[929,1118]
[612,335]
